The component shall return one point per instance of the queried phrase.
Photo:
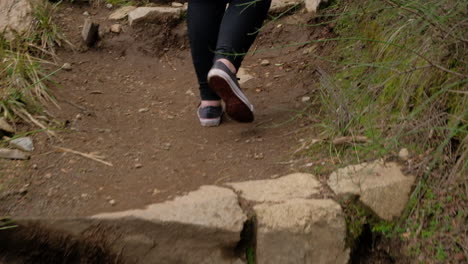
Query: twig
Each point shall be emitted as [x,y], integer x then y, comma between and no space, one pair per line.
[349,140]
[86,155]
[169,62]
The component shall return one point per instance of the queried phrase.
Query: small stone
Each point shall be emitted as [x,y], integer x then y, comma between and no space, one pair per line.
[156,191]
[85,13]
[48,175]
[143,110]
[24,143]
[258,156]
[90,33]
[189,92]
[265,63]
[78,117]
[84,195]
[34,167]
[109,6]
[67,66]
[403,154]
[138,165]
[176,4]
[112,202]
[153,14]
[13,154]
[4,126]
[116,28]
[23,190]
[167,146]
[305,99]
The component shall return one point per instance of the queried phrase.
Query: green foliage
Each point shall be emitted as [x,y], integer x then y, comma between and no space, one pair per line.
[400,79]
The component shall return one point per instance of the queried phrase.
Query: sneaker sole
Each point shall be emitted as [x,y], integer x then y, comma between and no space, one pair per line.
[238,106]
[209,122]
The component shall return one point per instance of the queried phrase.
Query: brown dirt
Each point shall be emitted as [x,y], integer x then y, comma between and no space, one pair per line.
[132,99]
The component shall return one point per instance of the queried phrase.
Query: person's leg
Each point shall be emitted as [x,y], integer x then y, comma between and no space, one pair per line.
[239,28]
[203,19]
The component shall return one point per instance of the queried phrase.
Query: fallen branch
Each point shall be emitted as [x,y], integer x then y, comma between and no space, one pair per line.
[90,156]
[349,140]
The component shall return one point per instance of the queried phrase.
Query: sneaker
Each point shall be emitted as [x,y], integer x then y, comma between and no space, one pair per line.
[210,115]
[225,84]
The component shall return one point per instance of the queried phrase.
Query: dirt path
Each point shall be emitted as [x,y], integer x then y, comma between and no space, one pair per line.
[134,102]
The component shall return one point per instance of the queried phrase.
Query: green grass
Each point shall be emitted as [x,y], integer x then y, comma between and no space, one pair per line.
[400,79]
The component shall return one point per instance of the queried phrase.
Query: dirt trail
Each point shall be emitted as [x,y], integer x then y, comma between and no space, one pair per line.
[134,102]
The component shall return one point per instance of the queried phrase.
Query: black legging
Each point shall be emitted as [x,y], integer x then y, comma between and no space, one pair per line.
[216,32]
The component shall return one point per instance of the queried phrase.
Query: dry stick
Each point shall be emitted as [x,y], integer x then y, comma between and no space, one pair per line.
[169,62]
[348,140]
[39,124]
[86,155]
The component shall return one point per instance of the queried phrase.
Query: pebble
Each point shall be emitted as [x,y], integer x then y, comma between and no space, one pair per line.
[85,13]
[78,117]
[138,165]
[48,175]
[67,66]
[305,99]
[156,191]
[109,6]
[143,110]
[167,146]
[116,28]
[84,195]
[24,143]
[34,166]
[112,202]
[403,154]
[265,63]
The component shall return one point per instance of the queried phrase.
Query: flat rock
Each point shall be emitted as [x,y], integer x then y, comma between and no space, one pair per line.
[381,186]
[210,206]
[297,185]
[203,226]
[301,231]
[153,14]
[4,126]
[279,6]
[15,16]
[90,32]
[13,154]
[24,143]
[121,13]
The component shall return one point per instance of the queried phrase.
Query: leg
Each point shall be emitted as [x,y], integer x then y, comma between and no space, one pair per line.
[239,28]
[203,20]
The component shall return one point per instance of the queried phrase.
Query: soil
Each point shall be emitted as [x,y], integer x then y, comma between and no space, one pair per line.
[133,97]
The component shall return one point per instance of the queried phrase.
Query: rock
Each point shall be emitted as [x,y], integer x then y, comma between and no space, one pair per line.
[109,6]
[403,154]
[305,99]
[153,14]
[203,226]
[297,185]
[176,4]
[312,5]
[86,13]
[4,126]
[13,154]
[265,63]
[280,6]
[301,231]
[15,16]
[116,28]
[112,202]
[138,166]
[380,186]
[244,76]
[67,66]
[121,13]
[24,143]
[90,32]
[143,110]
